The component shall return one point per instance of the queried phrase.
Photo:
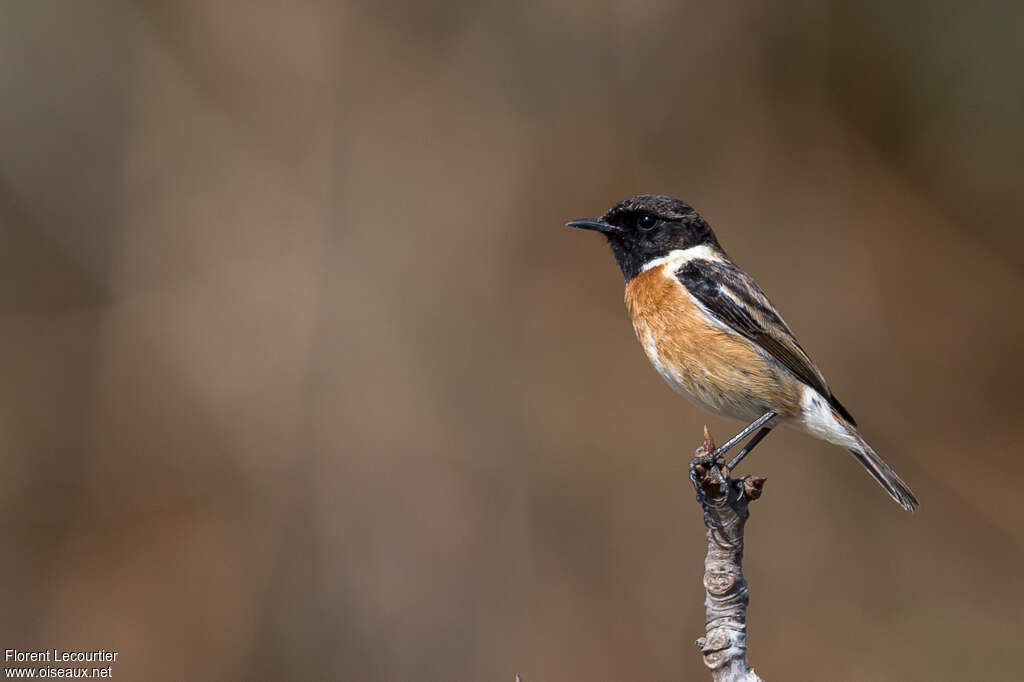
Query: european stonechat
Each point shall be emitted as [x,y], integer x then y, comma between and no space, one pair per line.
[715,337]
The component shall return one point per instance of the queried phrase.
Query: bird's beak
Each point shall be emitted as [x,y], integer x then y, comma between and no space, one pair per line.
[593,224]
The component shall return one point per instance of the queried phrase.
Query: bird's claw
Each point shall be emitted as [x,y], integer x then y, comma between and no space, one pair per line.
[709,459]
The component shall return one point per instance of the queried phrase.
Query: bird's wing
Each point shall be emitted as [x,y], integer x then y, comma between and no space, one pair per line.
[734,298]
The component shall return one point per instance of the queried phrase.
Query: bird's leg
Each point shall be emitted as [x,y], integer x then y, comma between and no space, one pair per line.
[712,456]
[751,444]
[749,429]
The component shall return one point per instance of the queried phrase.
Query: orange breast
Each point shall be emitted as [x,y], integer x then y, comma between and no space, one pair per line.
[717,368]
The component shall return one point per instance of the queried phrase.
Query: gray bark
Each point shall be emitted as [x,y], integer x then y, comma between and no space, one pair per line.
[724,644]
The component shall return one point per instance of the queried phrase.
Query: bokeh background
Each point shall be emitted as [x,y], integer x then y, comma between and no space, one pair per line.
[303,378]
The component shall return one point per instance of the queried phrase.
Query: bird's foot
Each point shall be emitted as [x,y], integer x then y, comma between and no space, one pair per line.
[708,460]
[723,499]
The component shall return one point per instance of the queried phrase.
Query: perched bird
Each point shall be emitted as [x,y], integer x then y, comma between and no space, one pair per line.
[715,337]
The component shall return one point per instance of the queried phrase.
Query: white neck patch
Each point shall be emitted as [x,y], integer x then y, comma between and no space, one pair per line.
[681,256]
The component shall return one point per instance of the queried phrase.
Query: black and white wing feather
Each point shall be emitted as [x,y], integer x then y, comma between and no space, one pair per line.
[734,298]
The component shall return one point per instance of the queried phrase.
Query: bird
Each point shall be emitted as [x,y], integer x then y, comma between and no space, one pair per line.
[713,335]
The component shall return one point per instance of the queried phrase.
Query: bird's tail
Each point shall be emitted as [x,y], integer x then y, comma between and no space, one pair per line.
[820,418]
[882,472]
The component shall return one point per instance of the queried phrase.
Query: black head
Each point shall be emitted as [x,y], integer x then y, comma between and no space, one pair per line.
[646,227]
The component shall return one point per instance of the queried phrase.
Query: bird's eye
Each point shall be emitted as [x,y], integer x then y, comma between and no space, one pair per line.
[646,221]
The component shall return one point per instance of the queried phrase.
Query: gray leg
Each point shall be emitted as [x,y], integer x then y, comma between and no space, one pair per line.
[749,446]
[711,459]
[731,443]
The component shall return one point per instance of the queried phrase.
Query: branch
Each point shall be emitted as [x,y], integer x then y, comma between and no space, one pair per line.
[724,644]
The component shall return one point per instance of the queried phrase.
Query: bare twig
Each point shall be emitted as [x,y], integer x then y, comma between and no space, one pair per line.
[724,644]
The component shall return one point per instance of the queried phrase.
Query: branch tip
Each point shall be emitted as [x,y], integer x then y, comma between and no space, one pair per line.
[753,486]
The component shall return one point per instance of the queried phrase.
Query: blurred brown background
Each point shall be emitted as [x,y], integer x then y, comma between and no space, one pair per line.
[304,379]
